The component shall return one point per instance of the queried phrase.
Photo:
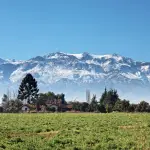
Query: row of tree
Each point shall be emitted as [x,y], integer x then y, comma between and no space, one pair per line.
[110,102]
[10,105]
[28,93]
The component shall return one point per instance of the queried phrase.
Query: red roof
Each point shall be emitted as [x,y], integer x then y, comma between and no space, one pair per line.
[29,105]
[69,106]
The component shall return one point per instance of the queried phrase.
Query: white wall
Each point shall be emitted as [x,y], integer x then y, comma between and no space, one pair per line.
[25,108]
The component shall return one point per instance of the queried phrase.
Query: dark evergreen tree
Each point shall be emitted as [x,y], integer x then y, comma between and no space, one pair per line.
[28,90]
[62,96]
[115,97]
[93,105]
[108,99]
[112,97]
[103,97]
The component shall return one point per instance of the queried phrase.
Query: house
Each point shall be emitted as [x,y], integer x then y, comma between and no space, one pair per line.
[69,107]
[58,105]
[27,108]
[52,105]
[55,103]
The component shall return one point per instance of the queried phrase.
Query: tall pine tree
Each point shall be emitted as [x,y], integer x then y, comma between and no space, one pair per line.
[28,90]
[93,105]
[103,97]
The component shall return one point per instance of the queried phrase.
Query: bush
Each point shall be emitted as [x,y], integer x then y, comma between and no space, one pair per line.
[51,109]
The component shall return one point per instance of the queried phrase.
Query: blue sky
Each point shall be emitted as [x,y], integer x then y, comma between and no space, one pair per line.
[36,27]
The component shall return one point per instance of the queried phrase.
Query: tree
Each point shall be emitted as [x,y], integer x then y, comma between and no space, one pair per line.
[108,100]
[1,109]
[132,107]
[84,107]
[118,106]
[5,101]
[142,107]
[76,106]
[101,108]
[5,98]
[80,106]
[51,97]
[115,97]
[148,109]
[125,105]
[103,97]
[28,90]
[42,98]
[108,108]
[10,105]
[13,106]
[112,97]
[122,106]
[93,105]
[62,97]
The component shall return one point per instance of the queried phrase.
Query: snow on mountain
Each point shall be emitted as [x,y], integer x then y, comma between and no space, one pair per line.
[2,61]
[62,72]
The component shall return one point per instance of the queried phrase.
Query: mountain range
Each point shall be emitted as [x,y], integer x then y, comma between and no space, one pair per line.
[73,74]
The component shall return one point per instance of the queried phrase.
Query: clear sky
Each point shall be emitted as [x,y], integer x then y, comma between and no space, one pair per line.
[36,27]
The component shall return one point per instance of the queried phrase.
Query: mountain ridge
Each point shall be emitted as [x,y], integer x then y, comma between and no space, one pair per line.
[84,71]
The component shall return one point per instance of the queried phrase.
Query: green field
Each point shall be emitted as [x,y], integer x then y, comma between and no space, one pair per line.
[74,131]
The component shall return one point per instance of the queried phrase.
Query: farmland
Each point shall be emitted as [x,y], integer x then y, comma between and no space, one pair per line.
[85,131]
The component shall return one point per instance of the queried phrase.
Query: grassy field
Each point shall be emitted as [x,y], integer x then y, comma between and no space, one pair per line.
[75,131]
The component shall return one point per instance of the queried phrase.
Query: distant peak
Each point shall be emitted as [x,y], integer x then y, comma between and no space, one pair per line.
[38,58]
[114,54]
[59,53]
[86,56]
[54,54]
[86,53]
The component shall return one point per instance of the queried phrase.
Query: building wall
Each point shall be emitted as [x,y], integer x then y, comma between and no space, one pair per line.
[25,108]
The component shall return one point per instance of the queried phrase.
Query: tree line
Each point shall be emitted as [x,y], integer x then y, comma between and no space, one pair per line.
[110,102]
[28,93]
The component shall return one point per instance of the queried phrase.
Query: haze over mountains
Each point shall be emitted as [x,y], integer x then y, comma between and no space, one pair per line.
[72,74]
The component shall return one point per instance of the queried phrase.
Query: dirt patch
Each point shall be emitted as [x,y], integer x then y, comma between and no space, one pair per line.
[127,127]
[48,134]
[43,134]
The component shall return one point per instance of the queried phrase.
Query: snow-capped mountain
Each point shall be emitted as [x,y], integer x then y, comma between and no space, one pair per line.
[74,73]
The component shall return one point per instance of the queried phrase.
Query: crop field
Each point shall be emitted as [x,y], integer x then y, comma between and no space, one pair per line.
[68,131]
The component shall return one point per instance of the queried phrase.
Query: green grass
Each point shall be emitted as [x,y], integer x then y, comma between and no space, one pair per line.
[87,131]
